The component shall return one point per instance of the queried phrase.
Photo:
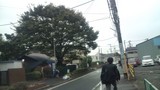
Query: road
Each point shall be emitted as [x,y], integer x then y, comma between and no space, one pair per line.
[87,82]
[151,73]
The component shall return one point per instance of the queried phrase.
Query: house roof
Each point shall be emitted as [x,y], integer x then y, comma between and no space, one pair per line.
[131,49]
[40,57]
[36,59]
[148,40]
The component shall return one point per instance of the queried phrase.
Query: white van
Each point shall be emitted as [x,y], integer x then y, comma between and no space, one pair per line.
[147,60]
[157,60]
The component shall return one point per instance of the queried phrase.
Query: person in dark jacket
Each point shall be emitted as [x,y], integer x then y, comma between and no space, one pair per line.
[110,74]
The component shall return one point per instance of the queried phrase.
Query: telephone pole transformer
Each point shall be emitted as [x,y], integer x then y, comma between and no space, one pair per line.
[115,19]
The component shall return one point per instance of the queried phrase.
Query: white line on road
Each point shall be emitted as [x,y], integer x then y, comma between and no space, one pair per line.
[98,85]
[66,82]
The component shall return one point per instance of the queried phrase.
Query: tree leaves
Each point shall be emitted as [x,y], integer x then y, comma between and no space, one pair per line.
[43,27]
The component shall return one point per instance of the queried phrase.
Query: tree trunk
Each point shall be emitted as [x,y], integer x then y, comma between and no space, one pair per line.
[60,62]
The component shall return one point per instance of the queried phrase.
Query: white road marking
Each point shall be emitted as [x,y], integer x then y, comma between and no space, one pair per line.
[66,82]
[98,85]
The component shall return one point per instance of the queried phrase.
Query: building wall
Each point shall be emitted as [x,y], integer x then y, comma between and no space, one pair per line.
[11,72]
[10,65]
[16,75]
[148,48]
[94,58]
[132,55]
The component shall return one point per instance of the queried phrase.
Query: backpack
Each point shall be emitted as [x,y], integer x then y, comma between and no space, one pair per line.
[104,77]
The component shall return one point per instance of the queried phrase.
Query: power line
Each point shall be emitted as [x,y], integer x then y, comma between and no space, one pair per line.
[95,13]
[12,7]
[89,21]
[105,39]
[99,19]
[8,24]
[72,8]
[82,4]
[89,7]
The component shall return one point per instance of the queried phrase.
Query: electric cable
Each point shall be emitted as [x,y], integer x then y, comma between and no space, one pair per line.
[82,4]
[105,39]
[8,24]
[98,19]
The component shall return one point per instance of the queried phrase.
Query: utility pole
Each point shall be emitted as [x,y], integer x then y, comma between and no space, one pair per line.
[98,54]
[130,45]
[54,48]
[110,48]
[53,45]
[124,45]
[115,19]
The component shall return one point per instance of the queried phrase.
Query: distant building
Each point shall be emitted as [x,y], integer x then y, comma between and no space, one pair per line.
[149,47]
[94,58]
[103,57]
[132,52]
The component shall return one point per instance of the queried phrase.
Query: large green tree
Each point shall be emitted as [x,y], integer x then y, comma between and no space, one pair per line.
[43,27]
[11,49]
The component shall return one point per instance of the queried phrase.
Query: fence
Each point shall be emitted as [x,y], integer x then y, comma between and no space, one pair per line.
[12,76]
[131,70]
[4,77]
[149,86]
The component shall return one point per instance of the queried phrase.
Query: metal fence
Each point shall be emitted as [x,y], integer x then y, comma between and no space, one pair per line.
[149,86]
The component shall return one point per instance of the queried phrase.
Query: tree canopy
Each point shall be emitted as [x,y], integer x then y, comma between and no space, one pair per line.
[11,48]
[43,27]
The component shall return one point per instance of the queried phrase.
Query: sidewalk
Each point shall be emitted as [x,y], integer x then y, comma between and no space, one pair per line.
[123,84]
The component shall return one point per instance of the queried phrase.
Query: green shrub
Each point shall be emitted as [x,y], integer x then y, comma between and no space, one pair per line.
[35,75]
[83,63]
[48,72]
[80,71]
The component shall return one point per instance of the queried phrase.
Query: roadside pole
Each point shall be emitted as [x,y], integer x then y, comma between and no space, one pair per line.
[115,19]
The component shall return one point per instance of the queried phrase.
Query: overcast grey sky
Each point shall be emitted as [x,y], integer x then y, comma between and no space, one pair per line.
[139,19]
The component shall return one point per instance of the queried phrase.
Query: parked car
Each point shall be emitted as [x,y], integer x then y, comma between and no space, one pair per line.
[157,60]
[138,61]
[147,60]
[132,61]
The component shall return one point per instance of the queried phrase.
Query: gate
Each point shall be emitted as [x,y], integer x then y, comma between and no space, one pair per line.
[3,77]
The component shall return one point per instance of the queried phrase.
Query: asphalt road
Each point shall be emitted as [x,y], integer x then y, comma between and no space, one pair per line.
[87,82]
[151,73]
